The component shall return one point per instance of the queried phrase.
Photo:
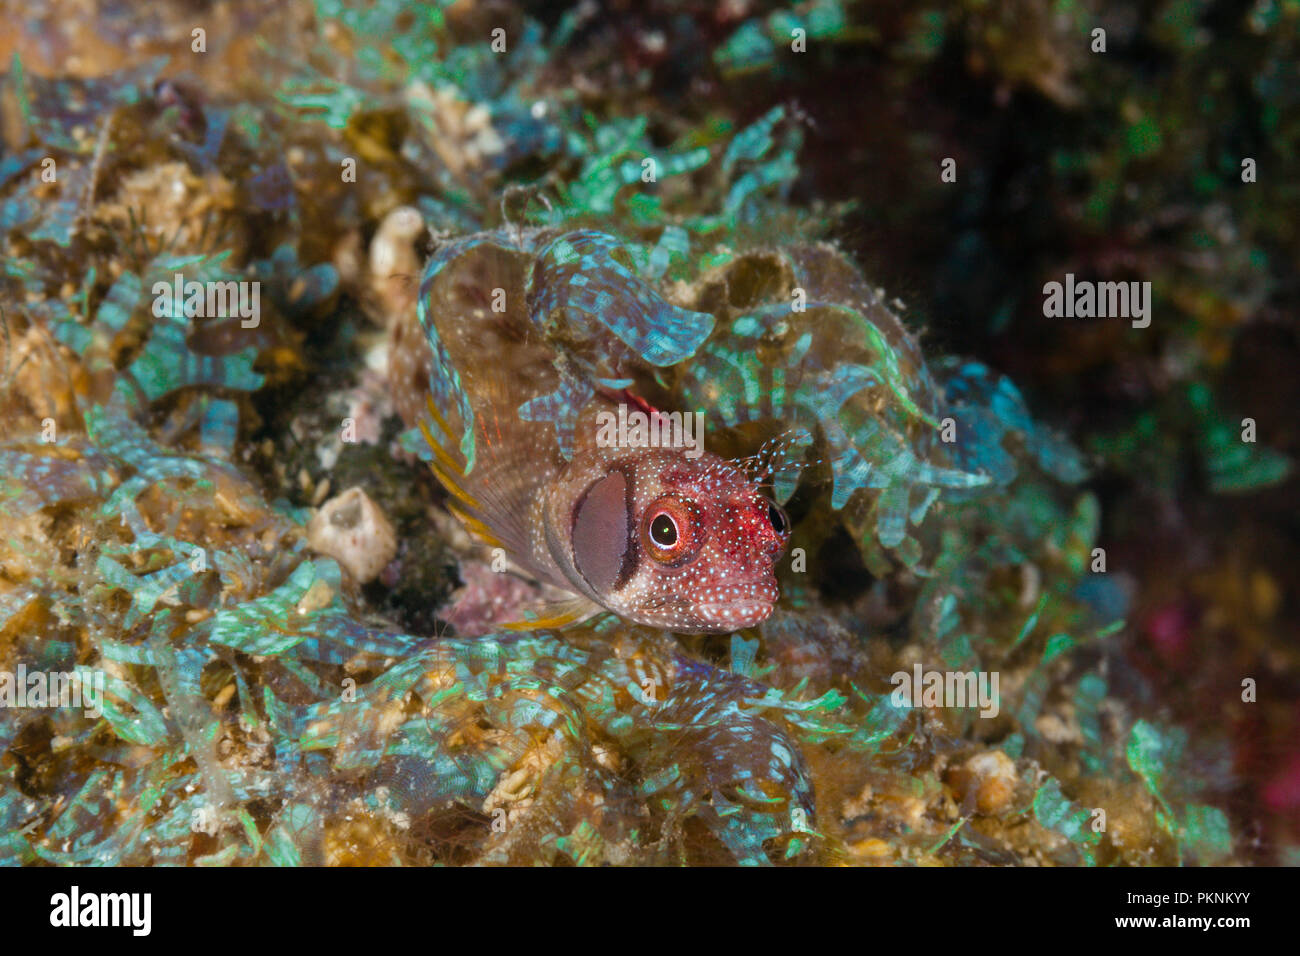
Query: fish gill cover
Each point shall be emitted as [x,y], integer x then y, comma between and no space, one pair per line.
[267,700]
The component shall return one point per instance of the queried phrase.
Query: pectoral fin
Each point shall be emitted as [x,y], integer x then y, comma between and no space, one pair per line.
[555,614]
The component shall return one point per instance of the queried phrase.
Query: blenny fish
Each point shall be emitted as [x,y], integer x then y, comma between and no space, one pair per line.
[522,341]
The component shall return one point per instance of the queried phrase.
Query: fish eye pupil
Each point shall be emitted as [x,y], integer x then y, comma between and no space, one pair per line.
[663,531]
[777,518]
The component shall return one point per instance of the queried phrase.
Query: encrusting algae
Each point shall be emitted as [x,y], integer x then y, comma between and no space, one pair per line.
[276,691]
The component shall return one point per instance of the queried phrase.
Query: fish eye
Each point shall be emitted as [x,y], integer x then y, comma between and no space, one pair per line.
[663,530]
[671,531]
[776,518]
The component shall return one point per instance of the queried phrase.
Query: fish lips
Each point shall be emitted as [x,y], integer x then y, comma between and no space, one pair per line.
[735,617]
[737,614]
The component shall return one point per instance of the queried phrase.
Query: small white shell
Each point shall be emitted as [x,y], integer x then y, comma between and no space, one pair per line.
[352,530]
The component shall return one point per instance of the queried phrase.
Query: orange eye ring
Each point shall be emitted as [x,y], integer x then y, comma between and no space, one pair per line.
[670,531]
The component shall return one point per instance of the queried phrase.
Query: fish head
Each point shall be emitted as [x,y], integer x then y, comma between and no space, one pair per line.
[688,544]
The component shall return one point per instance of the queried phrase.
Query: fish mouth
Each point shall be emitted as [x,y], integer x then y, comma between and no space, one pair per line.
[734,615]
